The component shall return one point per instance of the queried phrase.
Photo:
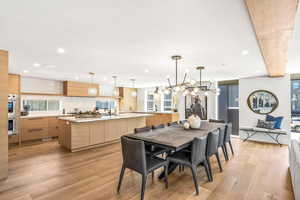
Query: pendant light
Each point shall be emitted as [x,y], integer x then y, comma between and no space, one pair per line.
[133,93]
[92,90]
[115,90]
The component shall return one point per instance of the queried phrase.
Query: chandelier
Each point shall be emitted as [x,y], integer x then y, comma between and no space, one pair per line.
[189,88]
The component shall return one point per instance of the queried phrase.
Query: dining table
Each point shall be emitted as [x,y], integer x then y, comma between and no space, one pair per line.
[175,138]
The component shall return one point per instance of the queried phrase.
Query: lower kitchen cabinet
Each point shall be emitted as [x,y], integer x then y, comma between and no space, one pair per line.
[39,128]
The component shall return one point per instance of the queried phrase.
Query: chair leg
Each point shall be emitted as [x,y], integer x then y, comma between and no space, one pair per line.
[144,178]
[166,176]
[219,161]
[225,148]
[194,173]
[224,152]
[209,168]
[121,178]
[230,144]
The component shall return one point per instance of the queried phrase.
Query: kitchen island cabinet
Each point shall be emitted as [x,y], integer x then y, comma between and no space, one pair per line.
[79,134]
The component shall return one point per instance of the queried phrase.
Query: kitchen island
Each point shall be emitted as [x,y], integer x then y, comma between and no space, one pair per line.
[85,133]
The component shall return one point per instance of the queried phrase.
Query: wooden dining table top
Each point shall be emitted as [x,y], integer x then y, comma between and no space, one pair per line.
[176,137]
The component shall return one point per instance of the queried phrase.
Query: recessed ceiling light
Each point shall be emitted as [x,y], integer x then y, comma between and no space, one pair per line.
[36,64]
[76,77]
[60,50]
[104,78]
[25,71]
[245,52]
[146,70]
[258,71]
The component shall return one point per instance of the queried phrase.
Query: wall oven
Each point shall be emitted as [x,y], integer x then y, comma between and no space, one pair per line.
[12,114]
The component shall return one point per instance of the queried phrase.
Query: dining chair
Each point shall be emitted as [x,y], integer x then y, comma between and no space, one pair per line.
[158,126]
[216,120]
[135,158]
[227,138]
[221,143]
[141,130]
[212,149]
[192,158]
[173,123]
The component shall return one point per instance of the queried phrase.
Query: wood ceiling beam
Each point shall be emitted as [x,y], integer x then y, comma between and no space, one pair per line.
[273,22]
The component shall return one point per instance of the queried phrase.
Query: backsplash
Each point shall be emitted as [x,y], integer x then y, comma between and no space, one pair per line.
[69,103]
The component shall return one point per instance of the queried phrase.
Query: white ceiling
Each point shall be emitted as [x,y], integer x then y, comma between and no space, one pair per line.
[124,38]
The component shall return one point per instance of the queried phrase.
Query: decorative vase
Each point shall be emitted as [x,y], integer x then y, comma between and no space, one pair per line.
[186,125]
[194,121]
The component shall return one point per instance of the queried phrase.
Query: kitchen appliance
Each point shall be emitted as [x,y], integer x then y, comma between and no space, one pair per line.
[12,114]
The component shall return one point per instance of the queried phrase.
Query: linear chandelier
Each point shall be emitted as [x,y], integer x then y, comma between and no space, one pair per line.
[188,88]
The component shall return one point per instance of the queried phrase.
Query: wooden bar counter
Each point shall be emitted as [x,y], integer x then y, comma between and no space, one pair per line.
[79,134]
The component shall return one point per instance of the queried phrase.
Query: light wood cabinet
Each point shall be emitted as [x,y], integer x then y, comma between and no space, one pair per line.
[78,89]
[128,102]
[79,136]
[161,118]
[13,84]
[39,128]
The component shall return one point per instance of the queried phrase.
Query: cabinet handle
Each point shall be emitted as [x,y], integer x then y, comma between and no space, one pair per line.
[35,129]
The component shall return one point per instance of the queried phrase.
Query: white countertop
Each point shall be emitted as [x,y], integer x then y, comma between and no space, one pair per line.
[121,116]
[44,115]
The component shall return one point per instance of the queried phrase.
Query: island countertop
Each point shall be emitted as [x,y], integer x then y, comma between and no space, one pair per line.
[121,116]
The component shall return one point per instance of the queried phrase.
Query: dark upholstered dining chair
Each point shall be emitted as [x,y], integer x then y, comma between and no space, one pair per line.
[134,158]
[221,143]
[227,139]
[193,158]
[212,149]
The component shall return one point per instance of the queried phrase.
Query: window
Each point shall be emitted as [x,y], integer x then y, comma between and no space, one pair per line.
[295,97]
[42,105]
[105,104]
[167,102]
[150,102]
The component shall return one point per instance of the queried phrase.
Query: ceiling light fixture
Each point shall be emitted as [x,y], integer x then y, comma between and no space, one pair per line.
[115,91]
[36,64]
[76,78]
[146,70]
[25,71]
[92,90]
[245,52]
[60,50]
[133,93]
[188,88]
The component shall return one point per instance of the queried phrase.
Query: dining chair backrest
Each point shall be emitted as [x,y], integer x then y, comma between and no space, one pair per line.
[172,123]
[198,150]
[158,126]
[212,142]
[228,132]
[222,135]
[141,130]
[216,120]
[134,155]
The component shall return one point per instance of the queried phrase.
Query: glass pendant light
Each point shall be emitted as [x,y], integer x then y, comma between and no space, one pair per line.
[115,91]
[133,93]
[92,91]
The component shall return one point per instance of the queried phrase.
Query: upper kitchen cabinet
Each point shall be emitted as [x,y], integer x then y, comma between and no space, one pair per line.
[13,84]
[79,89]
[128,101]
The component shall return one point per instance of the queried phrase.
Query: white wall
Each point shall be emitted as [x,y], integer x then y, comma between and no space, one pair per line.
[281,88]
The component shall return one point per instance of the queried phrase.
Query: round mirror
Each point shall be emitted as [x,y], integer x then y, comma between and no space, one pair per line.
[262,102]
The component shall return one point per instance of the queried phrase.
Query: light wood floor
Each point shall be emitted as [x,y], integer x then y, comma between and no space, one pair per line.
[45,171]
